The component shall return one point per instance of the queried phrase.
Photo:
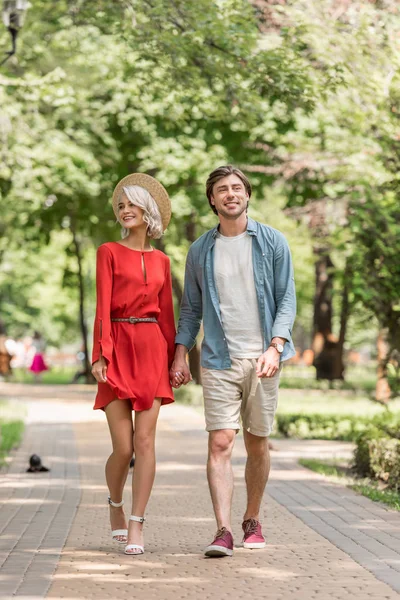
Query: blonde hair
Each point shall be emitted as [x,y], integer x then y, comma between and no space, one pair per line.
[140,197]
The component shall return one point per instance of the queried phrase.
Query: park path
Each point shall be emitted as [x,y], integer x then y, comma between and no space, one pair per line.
[324,541]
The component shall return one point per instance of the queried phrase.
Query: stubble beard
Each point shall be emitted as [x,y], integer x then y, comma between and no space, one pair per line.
[230,216]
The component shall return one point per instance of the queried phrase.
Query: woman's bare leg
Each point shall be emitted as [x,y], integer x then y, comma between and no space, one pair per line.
[119,417]
[145,468]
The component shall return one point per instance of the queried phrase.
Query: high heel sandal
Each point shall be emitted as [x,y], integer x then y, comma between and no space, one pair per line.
[118,532]
[135,546]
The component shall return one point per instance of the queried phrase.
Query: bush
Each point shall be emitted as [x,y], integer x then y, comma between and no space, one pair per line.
[10,436]
[335,427]
[385,461]
[378,457]
[362,455]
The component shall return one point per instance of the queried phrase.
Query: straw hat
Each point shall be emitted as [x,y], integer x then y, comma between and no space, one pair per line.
[155,189]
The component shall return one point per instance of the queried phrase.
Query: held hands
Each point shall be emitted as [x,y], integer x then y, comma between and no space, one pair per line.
[99,370]
[179,373]
[268,363]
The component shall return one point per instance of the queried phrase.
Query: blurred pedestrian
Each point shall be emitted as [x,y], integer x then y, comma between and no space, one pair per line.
[5,355]
[38,365]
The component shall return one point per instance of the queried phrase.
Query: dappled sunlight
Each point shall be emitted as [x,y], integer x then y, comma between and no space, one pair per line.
[295,474]
[184,519]
[39,483]
[269,573]
[163,467]
[132,579]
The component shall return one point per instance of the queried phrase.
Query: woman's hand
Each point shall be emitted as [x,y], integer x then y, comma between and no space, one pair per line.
[179,372]
[99,370]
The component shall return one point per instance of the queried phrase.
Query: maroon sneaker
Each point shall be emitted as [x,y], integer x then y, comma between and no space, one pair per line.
[222,544]
[253,537]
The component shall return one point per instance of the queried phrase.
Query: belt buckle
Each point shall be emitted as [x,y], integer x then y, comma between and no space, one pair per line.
[132,320]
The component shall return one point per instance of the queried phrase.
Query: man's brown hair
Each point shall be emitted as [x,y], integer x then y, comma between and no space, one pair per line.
[220,173]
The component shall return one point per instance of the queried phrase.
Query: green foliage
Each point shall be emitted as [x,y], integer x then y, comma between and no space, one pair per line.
[367,487]
[323,468]
[385,461]
[362,457]
[10,437]
[370,490]
[340,164]
[379,457]
[377,453]
[303,100]
[54,376]
[374,260]
[335,427]
[360,379]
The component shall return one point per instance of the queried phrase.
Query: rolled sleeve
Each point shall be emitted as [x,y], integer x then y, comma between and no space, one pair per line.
[285,293]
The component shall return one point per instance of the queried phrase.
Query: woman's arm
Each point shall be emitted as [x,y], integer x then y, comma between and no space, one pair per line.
[166,318]
[102,340]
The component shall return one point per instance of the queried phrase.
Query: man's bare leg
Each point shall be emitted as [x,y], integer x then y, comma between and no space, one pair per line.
[256,473]
[220,474]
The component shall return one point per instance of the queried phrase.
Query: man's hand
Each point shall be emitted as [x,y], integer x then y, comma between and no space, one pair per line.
[99,370]
[268,363]
[180,373]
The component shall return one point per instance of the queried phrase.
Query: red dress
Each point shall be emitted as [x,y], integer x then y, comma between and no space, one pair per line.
[138,355]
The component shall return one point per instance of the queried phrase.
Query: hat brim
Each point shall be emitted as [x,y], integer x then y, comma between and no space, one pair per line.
[155,189]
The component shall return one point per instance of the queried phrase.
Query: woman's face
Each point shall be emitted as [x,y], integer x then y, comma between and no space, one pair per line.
[129,215]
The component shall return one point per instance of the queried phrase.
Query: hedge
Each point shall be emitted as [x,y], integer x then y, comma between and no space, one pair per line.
[378,456]
[335,427]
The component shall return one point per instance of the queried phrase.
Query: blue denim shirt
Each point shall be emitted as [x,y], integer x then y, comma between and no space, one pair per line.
[274,283]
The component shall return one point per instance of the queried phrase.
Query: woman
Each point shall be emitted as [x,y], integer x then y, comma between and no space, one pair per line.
[134,339]
[38,364]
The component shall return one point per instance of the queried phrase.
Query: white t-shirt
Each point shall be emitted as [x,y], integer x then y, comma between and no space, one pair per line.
[233,269]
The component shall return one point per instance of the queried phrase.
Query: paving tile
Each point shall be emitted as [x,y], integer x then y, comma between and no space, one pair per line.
[324,541]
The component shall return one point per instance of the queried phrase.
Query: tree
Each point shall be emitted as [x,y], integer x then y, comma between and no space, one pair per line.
[343,155]
[129,116]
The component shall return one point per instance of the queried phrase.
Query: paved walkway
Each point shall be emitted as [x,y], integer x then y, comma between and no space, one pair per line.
[324,541]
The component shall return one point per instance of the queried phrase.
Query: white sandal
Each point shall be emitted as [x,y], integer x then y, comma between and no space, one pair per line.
[135,546]
[118,532]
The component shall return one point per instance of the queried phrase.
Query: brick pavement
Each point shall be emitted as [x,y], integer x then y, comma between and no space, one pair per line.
[302,511]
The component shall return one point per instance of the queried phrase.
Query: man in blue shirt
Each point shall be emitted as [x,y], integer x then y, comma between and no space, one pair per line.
[239,281]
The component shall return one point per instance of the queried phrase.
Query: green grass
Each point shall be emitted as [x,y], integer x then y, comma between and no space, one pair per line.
[54,376]
[359,379]
[366,487]
[323,468]
[388,497]
[11,435]
[331,402]
[190,394]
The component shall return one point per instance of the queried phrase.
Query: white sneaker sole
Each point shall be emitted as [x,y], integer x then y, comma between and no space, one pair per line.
[215,551]
[254,545]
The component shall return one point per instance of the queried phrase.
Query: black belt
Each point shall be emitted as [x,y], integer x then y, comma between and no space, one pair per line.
[136,320]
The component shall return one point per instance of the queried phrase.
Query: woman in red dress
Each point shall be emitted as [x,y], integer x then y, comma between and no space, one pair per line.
[133,348]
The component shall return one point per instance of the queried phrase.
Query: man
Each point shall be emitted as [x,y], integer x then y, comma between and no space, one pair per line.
[239,280]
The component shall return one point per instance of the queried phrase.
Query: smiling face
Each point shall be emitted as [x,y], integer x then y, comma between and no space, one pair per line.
[229,197]
[129,215]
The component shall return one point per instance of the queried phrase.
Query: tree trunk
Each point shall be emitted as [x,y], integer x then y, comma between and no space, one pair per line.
[328,350]
[382,390]
[82,320]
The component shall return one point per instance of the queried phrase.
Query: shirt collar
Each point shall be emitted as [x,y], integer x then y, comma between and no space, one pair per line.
[251,228]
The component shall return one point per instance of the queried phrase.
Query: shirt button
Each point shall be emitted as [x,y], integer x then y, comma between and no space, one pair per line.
[263,254]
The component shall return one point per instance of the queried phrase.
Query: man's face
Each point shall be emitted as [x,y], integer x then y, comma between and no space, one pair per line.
[229,197]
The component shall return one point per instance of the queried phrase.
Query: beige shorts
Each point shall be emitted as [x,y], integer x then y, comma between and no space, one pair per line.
[237,392]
